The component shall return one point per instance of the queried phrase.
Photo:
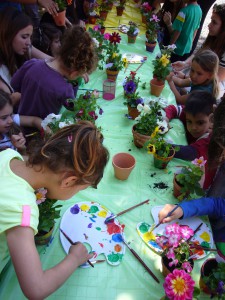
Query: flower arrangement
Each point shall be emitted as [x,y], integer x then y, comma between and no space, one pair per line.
[134,100]
[179,285]
[152,28]
[133,29]
[84,107]
[113,57]
[53,123]
[62,4]
[48,211]
[145,8]
[162,67]
[130,84]
[150,117]
[189,178]
[175,245]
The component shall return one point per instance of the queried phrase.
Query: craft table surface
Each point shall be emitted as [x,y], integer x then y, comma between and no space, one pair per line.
[129,280]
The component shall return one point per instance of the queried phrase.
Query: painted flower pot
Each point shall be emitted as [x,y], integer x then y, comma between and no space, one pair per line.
[166,269]
[131,38]
[103,15]
[206,269]
[60,18]
[43,238]
[92,19]
[119,11]
[133,112]
[156,87]
[162,162]
[150,47]
[177,189]
[112,75]
[139,139]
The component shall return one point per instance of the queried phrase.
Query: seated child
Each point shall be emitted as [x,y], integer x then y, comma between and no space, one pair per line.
[214,203]
[197,119]
[10,133]
[44,85]
[203,76]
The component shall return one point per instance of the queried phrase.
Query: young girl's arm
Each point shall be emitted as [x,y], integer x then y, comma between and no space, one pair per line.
[36,283]
[181,99]
[31,121]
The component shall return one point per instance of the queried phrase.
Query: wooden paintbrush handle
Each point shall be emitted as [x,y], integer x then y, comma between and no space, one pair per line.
[132,207]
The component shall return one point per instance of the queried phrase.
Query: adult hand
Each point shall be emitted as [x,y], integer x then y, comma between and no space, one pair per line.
[166,209]
[79,253]
[50,6]
[18,141]
[167,18]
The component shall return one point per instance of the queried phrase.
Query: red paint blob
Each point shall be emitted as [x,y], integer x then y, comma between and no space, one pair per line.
[101,245]
[113,228]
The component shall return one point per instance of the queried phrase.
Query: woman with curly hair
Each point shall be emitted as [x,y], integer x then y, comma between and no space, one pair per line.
[44,85]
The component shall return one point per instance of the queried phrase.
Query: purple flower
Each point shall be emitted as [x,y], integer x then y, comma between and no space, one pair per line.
[220,288]
[130,87]
[68,104]
[101,111]
[139,101]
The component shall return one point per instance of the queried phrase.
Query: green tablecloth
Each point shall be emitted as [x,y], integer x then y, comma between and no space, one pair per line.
[129,280]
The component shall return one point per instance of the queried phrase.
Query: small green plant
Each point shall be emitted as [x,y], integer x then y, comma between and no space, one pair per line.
[62,4]
[133,100]
[189,179]
[152,28]
[162,67]
[133,29]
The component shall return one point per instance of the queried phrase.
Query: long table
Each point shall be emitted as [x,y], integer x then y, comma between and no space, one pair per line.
[129,280]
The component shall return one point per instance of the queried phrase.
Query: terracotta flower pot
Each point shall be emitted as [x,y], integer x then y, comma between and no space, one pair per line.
[206,269]
[131,38]
[112,75]
[60,18]
[102,30]
[123,164]
[103,15]
[92,19]
[166,269]
[150,47]
[119,11]
[139,139]
[162,162]
[143,19]
[43,239]
[177,189]
[156,87]
[133,112]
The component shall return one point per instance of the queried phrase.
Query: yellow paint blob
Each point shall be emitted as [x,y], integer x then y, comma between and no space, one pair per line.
[205,236]
[102,213]
[84,207]
[148,236]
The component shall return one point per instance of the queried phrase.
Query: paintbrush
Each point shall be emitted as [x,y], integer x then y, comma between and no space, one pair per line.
[202,248]
[140,66]
[90,90]
[141,261]
[197,229]
[124,211]
[74,243]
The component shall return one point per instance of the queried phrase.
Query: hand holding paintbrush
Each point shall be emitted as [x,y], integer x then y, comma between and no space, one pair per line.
[169,213]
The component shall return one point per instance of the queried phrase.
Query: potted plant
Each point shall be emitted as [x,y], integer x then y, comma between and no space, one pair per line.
[145,9]
[100,26]
[179,285]
[188,180]
[176,248]
[120,6]
[103,7]
[130,84]
[53,123]
[93,15]
[60,18]
[212,278]
[163,152]
[152,28]
[132,102]
[132,32]
[48,213]
[150,116]
[113,58]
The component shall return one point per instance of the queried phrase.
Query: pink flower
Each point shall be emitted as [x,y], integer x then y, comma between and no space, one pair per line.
[186,265]
[200,162]
[179,285]
[174,239]
[40,195]
[161,241]
[174,262]
[106,36]
[170,254]
[154,18]
[96,28]
[186,232]
[172,228]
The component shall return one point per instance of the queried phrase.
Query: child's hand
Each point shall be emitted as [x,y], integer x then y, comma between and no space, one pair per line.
[179,74]
[85,77]
[167,18]
[95,93]
[18,141]
[79,253]
[169,77]
[178,65]
[166,209]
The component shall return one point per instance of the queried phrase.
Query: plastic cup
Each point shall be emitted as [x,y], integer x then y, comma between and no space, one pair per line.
[109,89]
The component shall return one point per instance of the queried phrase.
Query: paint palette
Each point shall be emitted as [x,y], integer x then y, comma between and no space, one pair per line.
[203,237]
[85,222]
[134,58]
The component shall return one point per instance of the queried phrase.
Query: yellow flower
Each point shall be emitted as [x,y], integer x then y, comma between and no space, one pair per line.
[125,62]
[151,149]
[154,132]
[114,55]
[164,60]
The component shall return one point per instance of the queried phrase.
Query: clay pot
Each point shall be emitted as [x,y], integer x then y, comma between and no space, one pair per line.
[60,18]
[162,162]
[143,19]
[139,139]
[43,238]
[123,164]
[131,39]
[206,269]
[133,112]
[112,75]
[150,47]
[156,87]
[102,30]
[119,11]
[103,15]
[92,19]
[166,269]
[177,189]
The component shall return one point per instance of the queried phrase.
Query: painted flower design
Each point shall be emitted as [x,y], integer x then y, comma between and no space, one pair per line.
[179,285]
